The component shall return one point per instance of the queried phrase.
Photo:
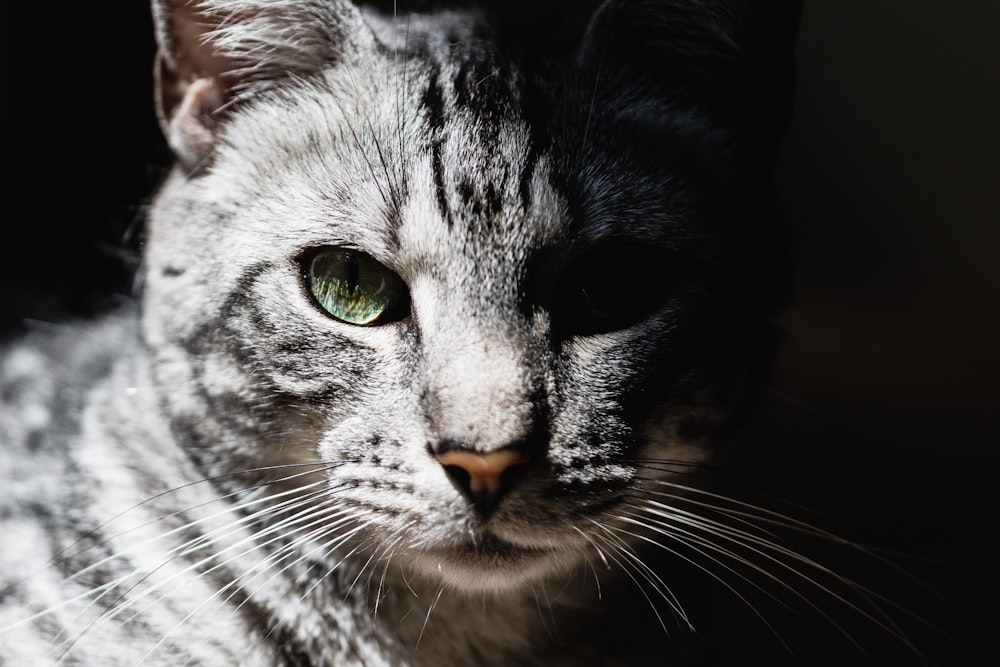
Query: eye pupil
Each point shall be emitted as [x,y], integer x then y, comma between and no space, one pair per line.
[352,274]
[354,288]
[610,287]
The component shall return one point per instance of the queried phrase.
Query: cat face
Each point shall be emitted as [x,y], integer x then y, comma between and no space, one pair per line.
[464,294]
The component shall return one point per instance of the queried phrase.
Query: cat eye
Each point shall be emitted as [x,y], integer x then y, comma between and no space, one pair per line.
[608,288]
[354,288]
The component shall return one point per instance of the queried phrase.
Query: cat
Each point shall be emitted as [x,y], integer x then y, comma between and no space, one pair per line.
[444,314]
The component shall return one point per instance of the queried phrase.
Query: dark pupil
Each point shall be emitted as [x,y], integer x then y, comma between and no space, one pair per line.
[352,274]
[619,287]
[606,289]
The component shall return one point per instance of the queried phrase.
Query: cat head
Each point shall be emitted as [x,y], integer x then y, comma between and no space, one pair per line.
[489,271]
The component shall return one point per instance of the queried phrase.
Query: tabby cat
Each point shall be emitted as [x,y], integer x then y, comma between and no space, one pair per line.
[441,312]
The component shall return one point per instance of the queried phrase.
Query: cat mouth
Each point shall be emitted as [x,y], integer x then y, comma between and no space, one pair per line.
[491,546]
[487,562]
[487,551]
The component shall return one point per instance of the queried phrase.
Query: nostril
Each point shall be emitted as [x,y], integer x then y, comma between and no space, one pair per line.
[460,477]
[482,478]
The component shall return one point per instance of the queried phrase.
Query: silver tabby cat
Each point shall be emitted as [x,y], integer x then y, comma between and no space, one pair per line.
[438,310]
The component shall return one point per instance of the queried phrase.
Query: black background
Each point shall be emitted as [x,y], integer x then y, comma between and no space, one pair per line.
[883,416]
[81,152]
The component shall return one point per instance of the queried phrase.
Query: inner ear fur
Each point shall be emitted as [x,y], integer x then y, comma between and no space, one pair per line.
[214,54]
[194,80]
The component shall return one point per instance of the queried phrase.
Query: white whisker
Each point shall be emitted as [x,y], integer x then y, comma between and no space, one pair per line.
[427,618]
[126,600]
[616,546]
[65,552]
[669,522]
[600,554]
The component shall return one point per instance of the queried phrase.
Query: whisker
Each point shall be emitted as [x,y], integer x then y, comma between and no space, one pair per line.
[749,510]
[710,573]
[427,618]
[198,543]
[328,547]
[65,552]
[385,571]
[546,615]
[600,554]
[106,587]
[387,200]
[344,559]
[203,540]
[293,548]
[628,572]
[401,117]
[757,513]
[240,581]
[757,545]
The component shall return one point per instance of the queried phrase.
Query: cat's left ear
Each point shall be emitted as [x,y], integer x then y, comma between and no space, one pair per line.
[215,54]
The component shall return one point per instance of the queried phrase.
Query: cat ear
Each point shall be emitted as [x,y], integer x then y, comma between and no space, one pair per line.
[732,57]
[214,54]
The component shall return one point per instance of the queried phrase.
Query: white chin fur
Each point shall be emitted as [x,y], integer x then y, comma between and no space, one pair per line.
[485,572]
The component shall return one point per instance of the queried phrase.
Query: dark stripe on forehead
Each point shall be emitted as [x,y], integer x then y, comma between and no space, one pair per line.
[484,88]
[437,167]
[433,101]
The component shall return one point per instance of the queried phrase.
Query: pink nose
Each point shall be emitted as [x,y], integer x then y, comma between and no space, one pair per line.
[480,476]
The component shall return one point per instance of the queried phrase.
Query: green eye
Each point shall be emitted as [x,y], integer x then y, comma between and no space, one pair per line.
[354,288]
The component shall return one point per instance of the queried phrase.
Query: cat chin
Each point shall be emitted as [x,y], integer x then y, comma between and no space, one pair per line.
[491,566]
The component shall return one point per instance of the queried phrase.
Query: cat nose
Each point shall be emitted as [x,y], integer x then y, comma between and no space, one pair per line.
[482,478]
